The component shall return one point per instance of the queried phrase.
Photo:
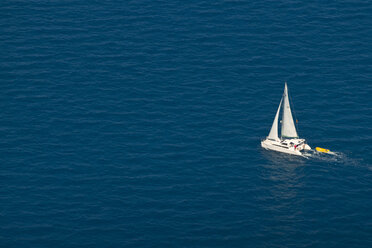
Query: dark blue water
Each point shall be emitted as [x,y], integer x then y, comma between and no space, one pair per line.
[138,123]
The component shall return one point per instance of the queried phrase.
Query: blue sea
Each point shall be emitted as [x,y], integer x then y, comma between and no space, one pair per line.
[138,123]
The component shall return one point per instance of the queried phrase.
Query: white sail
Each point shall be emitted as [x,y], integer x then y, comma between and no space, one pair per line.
[273,135]
[288,126]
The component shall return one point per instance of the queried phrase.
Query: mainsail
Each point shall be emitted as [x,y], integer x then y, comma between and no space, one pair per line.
[273,135]
[288,126]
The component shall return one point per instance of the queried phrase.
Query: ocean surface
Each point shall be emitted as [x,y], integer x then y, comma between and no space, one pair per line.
[138,123]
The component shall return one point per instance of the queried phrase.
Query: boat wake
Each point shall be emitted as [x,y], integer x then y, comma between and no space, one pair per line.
[335,157]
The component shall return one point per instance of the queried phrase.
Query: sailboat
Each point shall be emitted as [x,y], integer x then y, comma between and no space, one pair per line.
[289,141]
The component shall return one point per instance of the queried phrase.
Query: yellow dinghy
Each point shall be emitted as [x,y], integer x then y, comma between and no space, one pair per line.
[319,149]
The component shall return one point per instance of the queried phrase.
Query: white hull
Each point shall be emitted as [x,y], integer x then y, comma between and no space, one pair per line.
[289,146]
